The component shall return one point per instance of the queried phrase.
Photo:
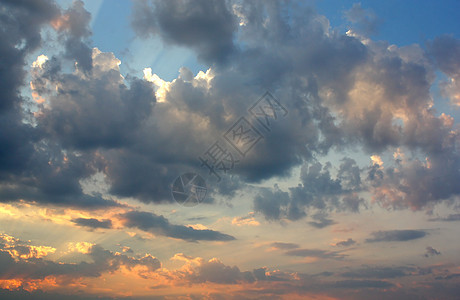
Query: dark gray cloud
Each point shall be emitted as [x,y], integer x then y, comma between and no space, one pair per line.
[74,26]
[97,110]
[341,94]
[207,26]
[430,251]
[320,221]
[378,272]
[346,243]
[319,191]
[269,203]
[445,50]
[17,42]
[41,295]
[93,223]
[317,253]
[160,225]
[284,246]
[32,168]
[396,236]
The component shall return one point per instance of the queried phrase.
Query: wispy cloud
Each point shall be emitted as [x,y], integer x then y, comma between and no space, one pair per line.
[396,236]
[160,225]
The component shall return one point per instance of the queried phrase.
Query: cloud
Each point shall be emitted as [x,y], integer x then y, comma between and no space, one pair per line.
[35,267]
[215,271]
[378,272]
[93,223]
[349,92]
[207,26]
[99,110]
[160,225]
[198,270]
[318,191]
[430,251]
[42,295]
[357,284]
[365,21]
[346,243]
[449,218]
[316,253]
[321,221]
[73,25]
[445,51]
[247,220]
[284,246]
[396,236]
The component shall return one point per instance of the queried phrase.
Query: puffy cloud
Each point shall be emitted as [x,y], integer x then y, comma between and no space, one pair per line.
[365,20]
[160,225]
[73,25]
[396,236]
[20,250]
[215,271]
[104,261]
[96,110]
[34,266]
[207,26]
[445,50]
[319,191]
[198,270]
[340,92]
[31,168]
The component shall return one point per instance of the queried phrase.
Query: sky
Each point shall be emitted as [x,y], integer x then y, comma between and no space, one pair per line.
[229,149]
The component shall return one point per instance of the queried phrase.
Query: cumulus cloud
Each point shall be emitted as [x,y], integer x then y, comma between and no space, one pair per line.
[343,93]
[207,26]
[319,191]
[36,267]
[198,270]
[396,236]
[340,92]
[365,21]
[445,51]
